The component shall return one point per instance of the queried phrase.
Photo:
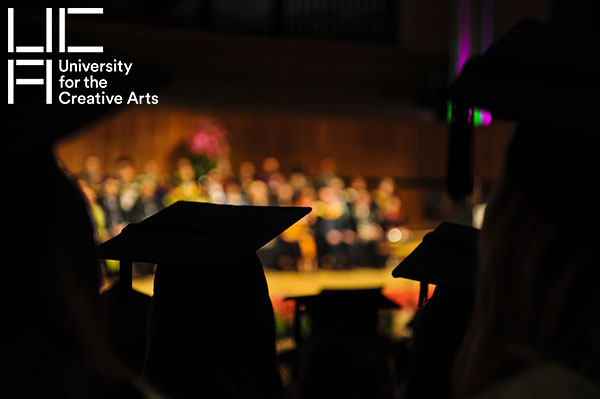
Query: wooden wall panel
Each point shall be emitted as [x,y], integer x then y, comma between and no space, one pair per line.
[365,145]
[406,147]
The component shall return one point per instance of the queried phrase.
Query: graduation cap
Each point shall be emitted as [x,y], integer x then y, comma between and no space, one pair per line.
[198,234]
[537,73]
[446,257]
[206,268]
[546,79]
[343,312]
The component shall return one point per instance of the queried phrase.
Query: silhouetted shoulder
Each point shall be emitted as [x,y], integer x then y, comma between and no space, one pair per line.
[544,380]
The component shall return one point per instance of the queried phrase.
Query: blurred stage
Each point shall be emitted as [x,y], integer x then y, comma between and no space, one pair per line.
[283,284]
[291,283]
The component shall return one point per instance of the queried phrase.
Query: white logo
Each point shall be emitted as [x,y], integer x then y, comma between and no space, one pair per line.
[47,48]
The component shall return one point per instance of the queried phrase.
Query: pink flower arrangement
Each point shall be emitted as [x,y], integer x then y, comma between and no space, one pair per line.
[206,139]
[203,143]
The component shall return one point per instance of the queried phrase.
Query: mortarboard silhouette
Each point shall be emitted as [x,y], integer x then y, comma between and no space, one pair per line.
[342,355]
[536,73]
[342,312]
[211,326]
[447,257]
[546,79]
[198,234]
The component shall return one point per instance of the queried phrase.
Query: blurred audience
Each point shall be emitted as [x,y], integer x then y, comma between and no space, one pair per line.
[346,228]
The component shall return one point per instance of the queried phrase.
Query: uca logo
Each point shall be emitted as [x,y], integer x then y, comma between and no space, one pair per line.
[13,49]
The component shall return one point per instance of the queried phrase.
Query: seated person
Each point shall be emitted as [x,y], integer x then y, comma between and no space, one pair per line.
[211,330]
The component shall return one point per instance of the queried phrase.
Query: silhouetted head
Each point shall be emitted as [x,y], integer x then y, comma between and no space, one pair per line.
[338,366]
[341,354]
[59,347]
[343,312]
[212,332]
[537,296]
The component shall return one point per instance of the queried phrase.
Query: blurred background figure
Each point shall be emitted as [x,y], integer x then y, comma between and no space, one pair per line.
[234,194]
[327,172]
[92,172]
[129,188]
[392,213]
[96,212]
[212,185]
[357,184]
[285,194]
[270,167]
[186,187]
[152,172]
[334,232]
[369,232]
[109,201]
[299,180]
[246,174]
[258,193]
[149,202]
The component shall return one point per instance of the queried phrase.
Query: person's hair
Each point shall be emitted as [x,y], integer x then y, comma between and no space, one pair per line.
[536,296]
[343,366]
[59,347]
